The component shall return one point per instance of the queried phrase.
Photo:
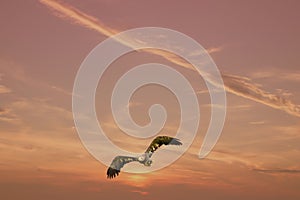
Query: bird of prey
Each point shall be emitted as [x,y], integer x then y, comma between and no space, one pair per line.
[119,161]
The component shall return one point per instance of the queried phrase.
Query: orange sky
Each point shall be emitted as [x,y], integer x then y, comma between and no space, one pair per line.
[255,44]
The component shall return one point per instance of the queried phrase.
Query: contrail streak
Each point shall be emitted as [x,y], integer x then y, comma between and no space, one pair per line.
[237,85]
[79,17]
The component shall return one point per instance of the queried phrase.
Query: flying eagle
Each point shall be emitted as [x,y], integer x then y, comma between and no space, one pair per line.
[119,161]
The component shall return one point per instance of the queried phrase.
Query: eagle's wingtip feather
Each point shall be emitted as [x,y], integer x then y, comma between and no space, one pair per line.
[176,141]
[112,173]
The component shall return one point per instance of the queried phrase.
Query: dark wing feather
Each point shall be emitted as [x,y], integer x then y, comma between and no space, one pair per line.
[160,140]
[116,165]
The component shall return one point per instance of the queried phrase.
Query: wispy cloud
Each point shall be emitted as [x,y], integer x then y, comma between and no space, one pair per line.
[237,85]
[275,73]
[61,90]
[278,171]
[140,192]
[244,87]
[257,122]
[45,115]
[292,77]
[7,116]
[4,89]
[14,73]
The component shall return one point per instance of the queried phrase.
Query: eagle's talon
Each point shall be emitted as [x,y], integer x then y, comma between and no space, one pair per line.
[148,163]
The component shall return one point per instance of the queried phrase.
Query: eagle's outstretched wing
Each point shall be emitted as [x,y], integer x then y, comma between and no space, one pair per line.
[160,140]
[116,165]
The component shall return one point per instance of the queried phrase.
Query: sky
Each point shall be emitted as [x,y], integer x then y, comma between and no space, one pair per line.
[255,45]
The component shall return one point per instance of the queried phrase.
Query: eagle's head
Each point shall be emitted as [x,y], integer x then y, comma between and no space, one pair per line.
[141,158]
